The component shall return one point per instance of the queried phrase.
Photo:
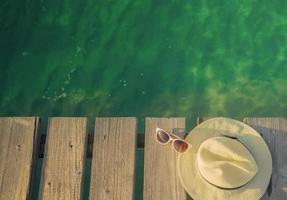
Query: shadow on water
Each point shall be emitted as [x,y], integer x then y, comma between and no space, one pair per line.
[37,179]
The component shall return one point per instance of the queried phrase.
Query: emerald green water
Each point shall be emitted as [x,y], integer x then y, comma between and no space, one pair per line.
[143,58]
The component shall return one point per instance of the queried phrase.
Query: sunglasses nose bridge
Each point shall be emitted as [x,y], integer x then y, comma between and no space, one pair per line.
[173,145]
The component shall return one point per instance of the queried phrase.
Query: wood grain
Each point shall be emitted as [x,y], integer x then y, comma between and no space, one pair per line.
[63,167]
[274,131]
[113,164]
[140,144]
[18,147]
[160,177]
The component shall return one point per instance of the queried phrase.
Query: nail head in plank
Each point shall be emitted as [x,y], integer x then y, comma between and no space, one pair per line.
[113,161]
[160,177]
[18,143]
[63,167]
[274,131]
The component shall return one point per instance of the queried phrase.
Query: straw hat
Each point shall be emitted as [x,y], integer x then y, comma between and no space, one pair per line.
[227,160]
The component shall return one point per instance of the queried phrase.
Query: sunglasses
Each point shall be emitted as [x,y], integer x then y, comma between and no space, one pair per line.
[179,145]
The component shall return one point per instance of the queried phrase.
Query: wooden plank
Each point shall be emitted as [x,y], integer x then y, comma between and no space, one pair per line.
[274,131]
[63,167]
[160,177]
[140,144]
[18,147]
[113,163]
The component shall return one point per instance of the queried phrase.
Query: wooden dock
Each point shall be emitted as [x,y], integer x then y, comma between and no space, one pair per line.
[112,147]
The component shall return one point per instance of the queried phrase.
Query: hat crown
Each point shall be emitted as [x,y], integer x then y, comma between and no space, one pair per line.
[225,162]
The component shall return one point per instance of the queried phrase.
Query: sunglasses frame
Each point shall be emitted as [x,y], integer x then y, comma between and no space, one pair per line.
[172,138]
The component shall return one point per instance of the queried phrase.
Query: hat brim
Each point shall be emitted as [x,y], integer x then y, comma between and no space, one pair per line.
[189,173]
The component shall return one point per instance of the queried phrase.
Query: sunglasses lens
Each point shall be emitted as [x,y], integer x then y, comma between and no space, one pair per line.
[180,146]
[162,136]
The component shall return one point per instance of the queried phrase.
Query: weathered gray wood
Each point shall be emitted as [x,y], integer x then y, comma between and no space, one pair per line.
[113,164]
[63,167]
[274,131]
[160,177]
[18,147]
[140,144]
